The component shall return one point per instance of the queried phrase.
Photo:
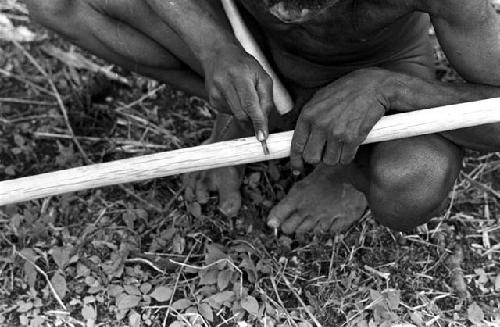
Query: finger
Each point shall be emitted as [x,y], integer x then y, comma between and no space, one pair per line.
[265,93]
[250,104]
[333,151]
[299,140]
[313,151]
[231,97]
[201,191]
[349,151]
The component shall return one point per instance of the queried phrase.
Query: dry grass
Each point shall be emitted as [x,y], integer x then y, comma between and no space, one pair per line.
[140,255]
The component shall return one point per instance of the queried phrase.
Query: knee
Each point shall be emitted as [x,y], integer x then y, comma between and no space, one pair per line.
[409,186]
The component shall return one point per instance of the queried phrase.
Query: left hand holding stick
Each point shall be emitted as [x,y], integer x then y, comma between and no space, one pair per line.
[339,117]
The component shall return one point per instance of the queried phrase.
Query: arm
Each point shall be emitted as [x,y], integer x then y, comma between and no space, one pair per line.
[198,24]
[233,79]
[469,33]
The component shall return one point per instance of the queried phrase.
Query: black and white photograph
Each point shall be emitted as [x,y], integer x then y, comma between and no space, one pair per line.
[250,163]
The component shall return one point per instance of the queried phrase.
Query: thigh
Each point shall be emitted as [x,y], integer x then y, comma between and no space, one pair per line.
[140,16]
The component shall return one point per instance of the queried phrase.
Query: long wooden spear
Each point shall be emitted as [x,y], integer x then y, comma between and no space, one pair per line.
[236,152]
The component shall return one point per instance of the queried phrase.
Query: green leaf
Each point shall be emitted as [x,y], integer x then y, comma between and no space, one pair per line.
[475,314]
[206,311]
[213,254]
[223,297]
[61,255]
[181,304]
[162,294]
[24,307]
[124,302]
[195,209]
[134,319]
[89,313]
[132,290]
[208,277]
[59,283]
[394,299]
[82,270]
[146,287]
[251,305]
[417,318]
[223,279]
[114,290]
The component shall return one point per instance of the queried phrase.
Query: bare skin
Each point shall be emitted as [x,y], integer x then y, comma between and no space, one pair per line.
[346,63]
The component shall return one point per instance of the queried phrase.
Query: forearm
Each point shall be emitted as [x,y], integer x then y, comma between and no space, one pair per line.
[412,93]
[197,23]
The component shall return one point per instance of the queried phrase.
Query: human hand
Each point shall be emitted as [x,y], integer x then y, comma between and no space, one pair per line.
[339,117]
[237,84]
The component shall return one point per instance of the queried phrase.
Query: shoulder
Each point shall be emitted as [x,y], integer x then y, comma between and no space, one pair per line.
[452,8]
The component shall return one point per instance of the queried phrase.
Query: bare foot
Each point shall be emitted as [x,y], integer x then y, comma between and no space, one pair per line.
[321,202]
[225,181]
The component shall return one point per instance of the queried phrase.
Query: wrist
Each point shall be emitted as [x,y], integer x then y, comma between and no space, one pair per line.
[222,46]
[395,89]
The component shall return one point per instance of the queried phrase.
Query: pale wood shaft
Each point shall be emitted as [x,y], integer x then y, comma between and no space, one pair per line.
[282,99]
[235,152]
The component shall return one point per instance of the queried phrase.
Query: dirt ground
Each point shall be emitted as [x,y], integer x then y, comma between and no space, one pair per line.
[139,255]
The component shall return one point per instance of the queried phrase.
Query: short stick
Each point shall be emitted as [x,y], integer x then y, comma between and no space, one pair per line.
[236,152]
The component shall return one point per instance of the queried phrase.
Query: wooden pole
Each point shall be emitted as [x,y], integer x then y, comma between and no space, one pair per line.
[235,152]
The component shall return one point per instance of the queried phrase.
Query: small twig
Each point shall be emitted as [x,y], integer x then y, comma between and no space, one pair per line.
[309,313]
[142,98]
[98,139]
[280,301]
[26,101]
[40,270]
[481,185]
[146,262]
[59,100]
[177,284]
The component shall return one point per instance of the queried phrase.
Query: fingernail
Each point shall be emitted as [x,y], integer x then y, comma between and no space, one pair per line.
[260,136]
[296,173]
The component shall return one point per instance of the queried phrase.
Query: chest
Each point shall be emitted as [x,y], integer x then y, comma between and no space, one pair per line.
[347,26]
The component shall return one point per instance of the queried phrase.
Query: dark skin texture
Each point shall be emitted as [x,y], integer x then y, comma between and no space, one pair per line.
[346,63]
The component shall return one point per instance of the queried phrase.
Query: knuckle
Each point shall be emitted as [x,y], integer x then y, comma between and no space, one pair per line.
[329,161]
[298,146]
[311,159]
[240,116]
[338,134]
[218,80]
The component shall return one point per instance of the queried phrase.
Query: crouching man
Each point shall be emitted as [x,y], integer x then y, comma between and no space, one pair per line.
[346,63]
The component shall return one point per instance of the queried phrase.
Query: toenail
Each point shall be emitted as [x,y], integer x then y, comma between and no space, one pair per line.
[273,223]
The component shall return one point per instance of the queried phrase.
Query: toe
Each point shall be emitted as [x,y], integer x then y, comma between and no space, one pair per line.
[290,224]
[341,224]
[324,224]
[201,191]
[230,206]
[229,200]
[228,182]
[281,212]
[189,187]
[307,225]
